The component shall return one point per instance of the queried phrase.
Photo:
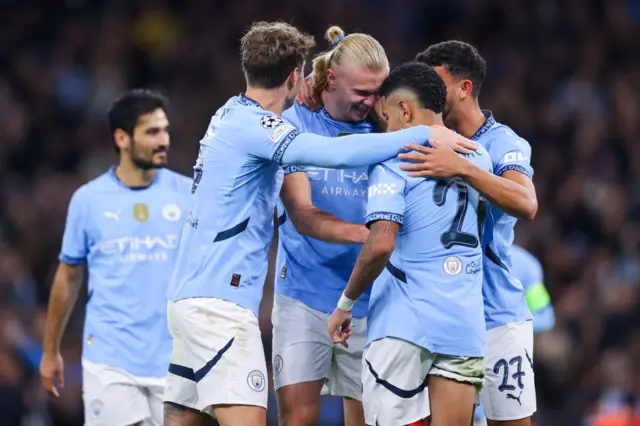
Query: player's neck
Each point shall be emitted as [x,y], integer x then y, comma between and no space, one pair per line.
[469,120]
[269,99]
[133,176]
[332,109]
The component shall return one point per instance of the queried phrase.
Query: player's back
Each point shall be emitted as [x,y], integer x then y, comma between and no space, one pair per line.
[304,262]
[223,250]
[128,238]
[430,292]
[503,293]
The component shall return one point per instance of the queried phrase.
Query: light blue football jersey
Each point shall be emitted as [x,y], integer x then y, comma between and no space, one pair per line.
[503,293]
[312,271]
[128,239]
[528,270]
[238,175]
[430,292]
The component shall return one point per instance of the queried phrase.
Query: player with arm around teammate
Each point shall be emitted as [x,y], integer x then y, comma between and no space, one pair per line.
[124,228]
[324,206]
[508,395]
[424,253]
[217,365]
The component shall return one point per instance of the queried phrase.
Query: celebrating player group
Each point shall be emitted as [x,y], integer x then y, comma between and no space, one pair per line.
[397,285]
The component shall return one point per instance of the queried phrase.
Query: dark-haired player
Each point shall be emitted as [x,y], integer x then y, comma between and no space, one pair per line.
[124,228]
[508,395]
[424,253]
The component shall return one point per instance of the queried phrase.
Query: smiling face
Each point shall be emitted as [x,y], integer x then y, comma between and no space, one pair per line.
[149,145]
[353,91]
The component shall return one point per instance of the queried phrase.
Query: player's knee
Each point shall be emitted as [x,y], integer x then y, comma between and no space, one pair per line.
[179,415]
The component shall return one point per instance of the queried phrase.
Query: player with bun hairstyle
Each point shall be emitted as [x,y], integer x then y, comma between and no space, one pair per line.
[321,231]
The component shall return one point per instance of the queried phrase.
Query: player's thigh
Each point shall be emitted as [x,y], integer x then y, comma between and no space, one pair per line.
[107,403]
[240,415]
[452,389]
[394,380]
[299,403]
[225,357]
[509,392]
[346,372]
[353,412]
[302,349]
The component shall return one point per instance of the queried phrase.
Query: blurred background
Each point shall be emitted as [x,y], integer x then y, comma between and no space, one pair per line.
[564,73]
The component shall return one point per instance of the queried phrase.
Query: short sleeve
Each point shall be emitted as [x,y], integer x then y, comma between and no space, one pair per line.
[511,152]
[293,169]
[269,136]
[74,242]
[385,196]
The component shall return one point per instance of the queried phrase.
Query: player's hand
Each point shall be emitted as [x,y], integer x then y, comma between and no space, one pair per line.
[52,373]
[339,327]
[309,97]
[436,161]
[448,137]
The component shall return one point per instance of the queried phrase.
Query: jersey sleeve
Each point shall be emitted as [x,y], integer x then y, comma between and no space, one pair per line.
[293,169]
[385,196]
[534,289]
[74,242]
[511,152]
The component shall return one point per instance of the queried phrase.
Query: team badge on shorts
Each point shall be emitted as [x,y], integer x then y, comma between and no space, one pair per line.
[452,265]
[96,407]
[271,122]
[256,381]
[277,364]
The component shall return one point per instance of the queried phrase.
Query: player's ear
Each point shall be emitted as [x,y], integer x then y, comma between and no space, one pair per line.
[294,78]
[122,139]
[466,87]
[331,79]
[406,111]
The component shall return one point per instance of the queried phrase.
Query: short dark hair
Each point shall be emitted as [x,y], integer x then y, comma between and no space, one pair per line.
[271,50]
[126,110]
[422,80]
[460,59]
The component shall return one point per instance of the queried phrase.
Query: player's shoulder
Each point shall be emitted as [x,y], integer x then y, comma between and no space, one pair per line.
[480,157]
[389,168]
[503,138]
[87,192]
[524,257]
[299,115]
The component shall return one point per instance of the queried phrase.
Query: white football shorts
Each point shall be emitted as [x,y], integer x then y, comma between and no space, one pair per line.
[509,391]
[303,351]
[113,397]
[395,380]
[217,355]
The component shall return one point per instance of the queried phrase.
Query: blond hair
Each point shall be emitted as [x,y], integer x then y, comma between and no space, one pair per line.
[271,50]
[356,49]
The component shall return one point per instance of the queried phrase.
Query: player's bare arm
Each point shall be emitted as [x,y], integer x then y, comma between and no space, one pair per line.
[371,261]
[64,294]
[513,191]
[312,221]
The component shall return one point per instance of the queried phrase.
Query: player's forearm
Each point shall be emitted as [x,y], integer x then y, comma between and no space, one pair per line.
[323,226]
[353,150]
[509,196]
[64,294]
[374,256]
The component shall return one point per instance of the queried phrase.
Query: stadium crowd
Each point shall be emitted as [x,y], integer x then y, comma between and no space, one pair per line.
[564,73]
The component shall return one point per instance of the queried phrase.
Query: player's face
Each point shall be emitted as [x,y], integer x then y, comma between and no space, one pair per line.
[150,143]
[354,90]
[448,114]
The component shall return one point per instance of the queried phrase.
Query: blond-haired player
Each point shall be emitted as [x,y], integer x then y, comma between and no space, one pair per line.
[322,228]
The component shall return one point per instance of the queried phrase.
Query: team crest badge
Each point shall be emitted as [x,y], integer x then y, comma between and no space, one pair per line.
[452,265]
[277,364]
[96,407]
[140,212]
[171,212]
[256,381]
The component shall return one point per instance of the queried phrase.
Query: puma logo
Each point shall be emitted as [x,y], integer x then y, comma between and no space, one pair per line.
[517,398]
[113,215]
